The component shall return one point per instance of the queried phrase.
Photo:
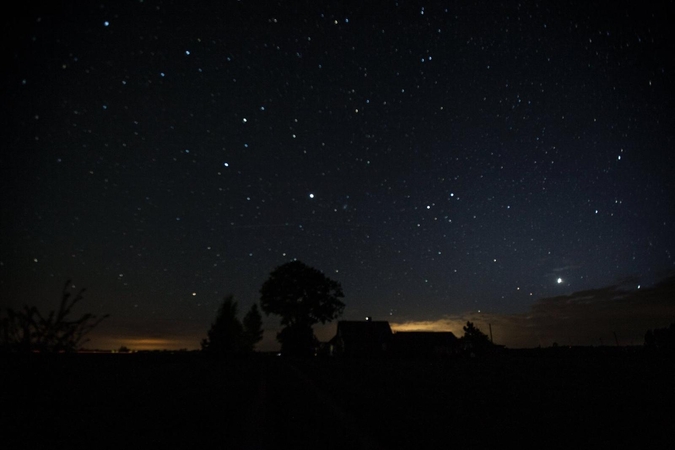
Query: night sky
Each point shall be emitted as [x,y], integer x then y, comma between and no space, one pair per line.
[505,162]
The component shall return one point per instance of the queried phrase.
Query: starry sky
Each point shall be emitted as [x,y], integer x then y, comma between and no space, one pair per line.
[444,161]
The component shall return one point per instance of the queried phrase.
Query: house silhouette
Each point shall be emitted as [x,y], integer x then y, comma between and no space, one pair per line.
[416,344]
[361,339]
[374,339]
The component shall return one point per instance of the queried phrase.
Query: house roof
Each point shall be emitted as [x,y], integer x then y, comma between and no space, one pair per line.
[426,338]
[364,331]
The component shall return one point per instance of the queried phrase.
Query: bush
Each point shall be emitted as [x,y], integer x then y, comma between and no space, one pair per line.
[26,330]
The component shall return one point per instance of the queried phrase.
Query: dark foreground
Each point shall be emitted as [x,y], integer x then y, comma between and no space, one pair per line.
[531,400]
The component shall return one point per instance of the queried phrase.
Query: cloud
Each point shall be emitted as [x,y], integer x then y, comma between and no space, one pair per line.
[590,317]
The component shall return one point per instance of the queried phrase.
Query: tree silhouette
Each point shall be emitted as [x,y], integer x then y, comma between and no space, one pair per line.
[475,341]
[225,335]
[27,330]
[253,331]
[302,296]
[298,340]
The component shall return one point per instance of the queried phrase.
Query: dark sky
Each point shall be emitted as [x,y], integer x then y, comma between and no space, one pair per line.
[441,160]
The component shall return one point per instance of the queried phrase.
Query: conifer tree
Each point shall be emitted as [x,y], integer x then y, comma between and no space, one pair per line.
[225,334]
[253,331]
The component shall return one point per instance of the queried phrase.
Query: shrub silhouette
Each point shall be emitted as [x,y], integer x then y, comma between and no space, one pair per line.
[474,340]
[27,330]
[661,338]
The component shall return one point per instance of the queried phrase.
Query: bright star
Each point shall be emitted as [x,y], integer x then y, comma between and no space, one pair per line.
[560,280]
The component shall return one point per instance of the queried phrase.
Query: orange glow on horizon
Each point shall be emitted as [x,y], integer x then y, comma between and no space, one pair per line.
[143,343]
[179,342]
[431,325]
[153,343]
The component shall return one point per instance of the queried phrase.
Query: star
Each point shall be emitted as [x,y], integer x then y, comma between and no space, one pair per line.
[417,177]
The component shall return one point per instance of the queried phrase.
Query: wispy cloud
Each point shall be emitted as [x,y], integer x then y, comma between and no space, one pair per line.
[565,268]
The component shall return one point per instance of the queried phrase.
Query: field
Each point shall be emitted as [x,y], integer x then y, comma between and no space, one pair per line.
[530,399]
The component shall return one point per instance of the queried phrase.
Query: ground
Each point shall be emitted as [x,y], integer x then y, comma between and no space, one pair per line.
[534,400]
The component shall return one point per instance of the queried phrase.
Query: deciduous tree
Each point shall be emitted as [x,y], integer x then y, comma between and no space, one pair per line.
[302,296]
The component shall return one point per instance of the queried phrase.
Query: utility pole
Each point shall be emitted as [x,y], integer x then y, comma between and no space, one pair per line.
[491,341]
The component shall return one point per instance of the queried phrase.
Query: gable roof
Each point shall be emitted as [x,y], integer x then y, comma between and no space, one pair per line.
[364,331]
[426,338]
[426,343]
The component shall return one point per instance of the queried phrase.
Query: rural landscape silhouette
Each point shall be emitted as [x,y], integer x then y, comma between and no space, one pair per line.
[365,388]
[337,225]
